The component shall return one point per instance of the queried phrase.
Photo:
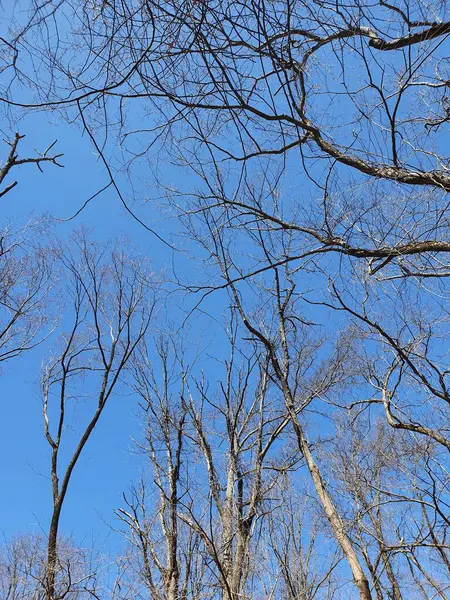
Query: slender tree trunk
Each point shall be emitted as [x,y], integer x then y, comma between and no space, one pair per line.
[227,532]
[52,553]
[372,571]
[172,562]
[330,510]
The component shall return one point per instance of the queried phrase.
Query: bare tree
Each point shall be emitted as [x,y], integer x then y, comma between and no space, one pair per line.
[263,83]
[27,276]
[112,299]
[165,573]
[26,269]
[23,564]
[303,562]
[397,509]
[215,470]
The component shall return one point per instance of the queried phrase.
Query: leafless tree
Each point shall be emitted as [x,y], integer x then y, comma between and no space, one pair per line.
[301,559]
[26,269]
[395,490]
[215,469]
[165,573]
[246,91]
[263,83]
[27,277]
[112,300]
[23,564]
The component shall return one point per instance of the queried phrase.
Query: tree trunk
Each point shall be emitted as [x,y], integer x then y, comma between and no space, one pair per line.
[52,553]
[330,510]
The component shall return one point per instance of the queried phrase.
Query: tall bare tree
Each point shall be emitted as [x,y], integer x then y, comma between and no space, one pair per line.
[112,299]
[216,462]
